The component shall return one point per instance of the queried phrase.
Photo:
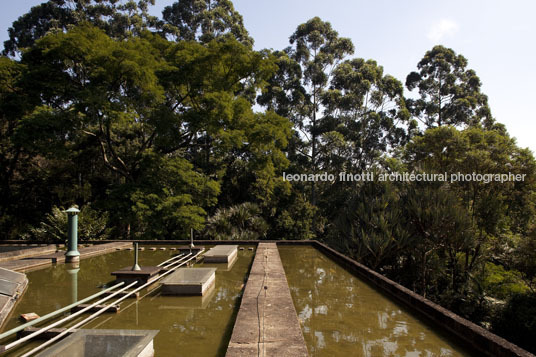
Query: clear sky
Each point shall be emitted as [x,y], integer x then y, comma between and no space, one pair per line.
[495,36]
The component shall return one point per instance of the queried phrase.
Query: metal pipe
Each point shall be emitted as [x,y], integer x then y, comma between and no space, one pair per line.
[170,259]
[177,261]
[59,322]
[101,311]
[57,312]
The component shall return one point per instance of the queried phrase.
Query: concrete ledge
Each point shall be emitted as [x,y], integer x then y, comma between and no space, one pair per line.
[267,323]
[26,252]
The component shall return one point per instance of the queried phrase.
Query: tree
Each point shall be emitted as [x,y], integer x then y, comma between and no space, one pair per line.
[316,50]
[442,231]
[517,321]
[494,206]
[159,121]
[117,18]
[103,96]
[449,92]
[368,109]
[203,21]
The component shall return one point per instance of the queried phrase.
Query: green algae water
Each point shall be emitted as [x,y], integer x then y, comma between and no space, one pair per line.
[340,315]
[189,326]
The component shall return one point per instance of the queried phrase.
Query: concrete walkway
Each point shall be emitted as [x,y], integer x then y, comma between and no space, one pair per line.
[44,260]
[267,324]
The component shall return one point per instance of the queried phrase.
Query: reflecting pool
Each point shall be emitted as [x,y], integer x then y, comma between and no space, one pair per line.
[341,315]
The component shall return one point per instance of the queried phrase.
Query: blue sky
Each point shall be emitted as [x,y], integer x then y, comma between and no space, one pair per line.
[495,37]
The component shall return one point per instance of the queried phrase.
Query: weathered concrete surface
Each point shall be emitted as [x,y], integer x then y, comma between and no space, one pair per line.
[93,342]
[189,281]
[12,286]
[267,324]
[221,254]
[44,260]
[142,276]
[20,252]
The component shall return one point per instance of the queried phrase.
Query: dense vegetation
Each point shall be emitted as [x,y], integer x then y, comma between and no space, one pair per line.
[156,126]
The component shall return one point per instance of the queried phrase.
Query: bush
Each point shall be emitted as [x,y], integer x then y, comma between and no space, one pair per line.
[239,222]
[53,229]
[517,321]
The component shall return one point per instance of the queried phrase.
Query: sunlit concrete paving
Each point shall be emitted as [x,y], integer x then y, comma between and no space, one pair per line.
[267,324]
[189,281]
[221,254]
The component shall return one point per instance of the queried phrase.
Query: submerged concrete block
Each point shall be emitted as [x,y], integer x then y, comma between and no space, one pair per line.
[221,254]
[221,266]
[145,275]
[189,281]
[190,302]
[102,343]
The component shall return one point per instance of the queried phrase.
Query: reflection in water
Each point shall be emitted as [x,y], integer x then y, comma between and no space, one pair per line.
[341,315]
[189,326]
[72,270]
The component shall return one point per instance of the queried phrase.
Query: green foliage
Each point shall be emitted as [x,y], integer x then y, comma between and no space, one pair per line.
[295,218]
[203,21]
[92,225]
[368,109]
[494,207]
[239,222]
[524,259]
[501,283]
[371,224]
[450,93]
[118,19]
[161,121]
[304,74]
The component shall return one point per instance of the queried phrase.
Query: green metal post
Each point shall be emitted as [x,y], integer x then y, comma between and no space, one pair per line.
[72,255]
[136,266]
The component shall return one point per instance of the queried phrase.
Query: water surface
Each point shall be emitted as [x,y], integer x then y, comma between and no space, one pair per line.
[341,315]
[189,326]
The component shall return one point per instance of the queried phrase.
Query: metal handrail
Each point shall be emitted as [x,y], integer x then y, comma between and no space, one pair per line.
[57,312]
[59,322]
